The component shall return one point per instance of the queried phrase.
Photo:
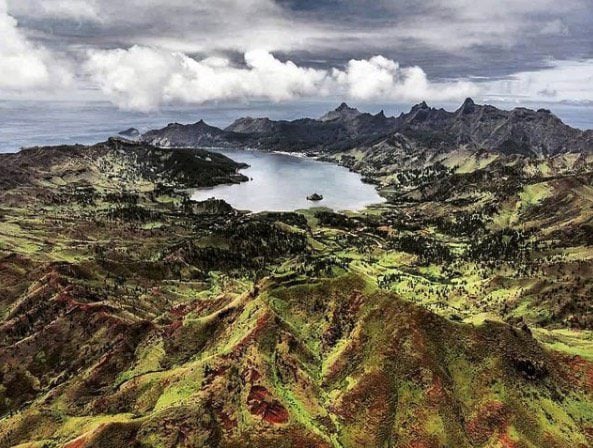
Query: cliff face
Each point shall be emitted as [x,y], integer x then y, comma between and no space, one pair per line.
[519,131]
[195,135]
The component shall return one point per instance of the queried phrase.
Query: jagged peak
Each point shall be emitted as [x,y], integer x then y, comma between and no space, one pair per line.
[202,124]
[467,107]
[468,102]
[420,106]
[342,111]
[343,107]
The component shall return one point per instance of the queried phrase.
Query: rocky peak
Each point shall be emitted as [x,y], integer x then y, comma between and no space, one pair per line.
[467,107]
[250,125]
[419,113]
[343,111]
[483,127]
[420,106]
[468,102]
[343,107]
[473,126]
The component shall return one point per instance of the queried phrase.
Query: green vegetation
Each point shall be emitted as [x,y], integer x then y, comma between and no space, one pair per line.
[457,314]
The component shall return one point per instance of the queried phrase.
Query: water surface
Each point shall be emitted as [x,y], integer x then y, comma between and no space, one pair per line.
[282,182]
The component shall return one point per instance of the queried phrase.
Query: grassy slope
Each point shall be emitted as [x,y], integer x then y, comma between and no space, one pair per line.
[120,329]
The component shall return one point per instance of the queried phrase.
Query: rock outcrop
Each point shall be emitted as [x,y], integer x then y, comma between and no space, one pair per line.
[130,133]
[476,127]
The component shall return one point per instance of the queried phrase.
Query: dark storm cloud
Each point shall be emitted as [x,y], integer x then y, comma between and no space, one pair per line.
[458,37]
[478,40]
[450,38]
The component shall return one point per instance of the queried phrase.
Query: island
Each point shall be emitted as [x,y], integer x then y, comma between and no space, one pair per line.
[457,313]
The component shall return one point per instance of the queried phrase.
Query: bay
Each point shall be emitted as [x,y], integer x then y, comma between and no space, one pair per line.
[281,182]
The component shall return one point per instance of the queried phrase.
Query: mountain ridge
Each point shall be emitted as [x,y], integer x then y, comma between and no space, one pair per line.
[472,126]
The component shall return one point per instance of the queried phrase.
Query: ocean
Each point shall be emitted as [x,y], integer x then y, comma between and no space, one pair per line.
[41,123]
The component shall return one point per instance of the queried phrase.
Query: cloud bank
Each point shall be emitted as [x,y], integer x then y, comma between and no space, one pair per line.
[382,78]
[141,54]
[23,65]
[143,78]
[563,81]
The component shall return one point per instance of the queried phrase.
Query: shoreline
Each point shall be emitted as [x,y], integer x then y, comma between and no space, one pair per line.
[225,192]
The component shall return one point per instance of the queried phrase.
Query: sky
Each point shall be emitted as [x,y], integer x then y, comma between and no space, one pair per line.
[143,55]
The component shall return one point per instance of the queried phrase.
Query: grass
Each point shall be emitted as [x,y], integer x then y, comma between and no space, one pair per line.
[148,359]
[573,342]
[74,426]
[512,209]
[353,359]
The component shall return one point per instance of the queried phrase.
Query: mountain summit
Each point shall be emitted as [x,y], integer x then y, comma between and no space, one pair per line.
[467,107]
[342,112]
[483,127]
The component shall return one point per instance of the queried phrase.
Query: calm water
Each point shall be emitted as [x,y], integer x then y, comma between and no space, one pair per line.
[42,123]
[280,182]
[283,182]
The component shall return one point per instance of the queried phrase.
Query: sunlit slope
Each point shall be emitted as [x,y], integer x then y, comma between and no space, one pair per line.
[332,362]
[457,314]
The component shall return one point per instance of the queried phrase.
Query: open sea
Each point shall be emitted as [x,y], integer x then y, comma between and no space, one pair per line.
[40,123]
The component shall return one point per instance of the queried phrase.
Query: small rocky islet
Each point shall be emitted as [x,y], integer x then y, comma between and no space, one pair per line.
[130,133]
[315,197]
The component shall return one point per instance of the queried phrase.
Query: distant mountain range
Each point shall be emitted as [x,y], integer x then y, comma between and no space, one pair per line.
[472,126]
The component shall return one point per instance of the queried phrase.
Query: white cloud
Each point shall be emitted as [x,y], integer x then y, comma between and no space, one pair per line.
[382,78]
[455,25]
[20,64]
[24,66]
[264,77]
[133,79]
[144,78]
[564,81]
